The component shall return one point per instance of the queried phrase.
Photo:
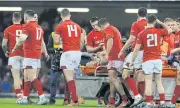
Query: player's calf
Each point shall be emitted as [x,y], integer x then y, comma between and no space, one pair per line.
[17,83]
[131,83]
[31,75]
[176,93]
[112,93]
[116,83]
[69,75]
[160,88]
[140,81]
[148,89]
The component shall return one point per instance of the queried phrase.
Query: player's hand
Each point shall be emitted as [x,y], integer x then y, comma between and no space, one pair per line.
[13,50]
[130,65]
[101,45]
[47,57]
[7,54]
[120,54]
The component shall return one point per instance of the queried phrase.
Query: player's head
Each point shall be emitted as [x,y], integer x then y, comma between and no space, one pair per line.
[28,16]
[178,23]
[151,19]
[94,23]
[35,17]
[103,23]
[142,12]
[170,23]
[16,17]
[65,14]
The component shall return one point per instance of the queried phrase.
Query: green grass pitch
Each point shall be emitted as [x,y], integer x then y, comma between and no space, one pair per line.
[10,103]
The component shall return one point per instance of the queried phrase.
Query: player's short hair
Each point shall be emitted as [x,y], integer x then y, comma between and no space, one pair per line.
[178,20]
[151,18]
[168,20]
[93,19]
[102,22]
[65,13]
[17,16]
[30,13]
[142,12]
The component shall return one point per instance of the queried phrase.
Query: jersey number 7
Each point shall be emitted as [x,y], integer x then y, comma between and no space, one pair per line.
[38,33]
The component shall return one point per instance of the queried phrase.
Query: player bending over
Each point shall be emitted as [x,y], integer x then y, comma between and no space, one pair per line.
[151,40]
[113,46]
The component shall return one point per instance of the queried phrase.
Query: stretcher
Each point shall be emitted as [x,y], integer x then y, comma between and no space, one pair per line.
[168,71]
[95,83]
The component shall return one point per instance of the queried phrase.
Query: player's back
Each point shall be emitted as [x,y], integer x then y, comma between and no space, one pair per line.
[12,33]
[32,45]
[137,27]
[151,39]
[117,43]
[71,35]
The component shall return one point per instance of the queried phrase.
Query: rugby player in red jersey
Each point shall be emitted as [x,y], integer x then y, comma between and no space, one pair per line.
[72,38]
[33,45]
[136,28]
[95,39]
[175,51]
[167,42]
[151,39]
[11,34]
[113,45]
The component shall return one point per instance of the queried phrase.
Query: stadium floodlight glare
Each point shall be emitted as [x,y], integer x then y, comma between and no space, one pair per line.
[136,10]
[10,8]
[74,9]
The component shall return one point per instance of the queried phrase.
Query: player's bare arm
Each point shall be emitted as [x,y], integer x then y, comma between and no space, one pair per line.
[83,38]
[105,53]
[91,49]
[19,41]
[165,26]
[176,50]
[135,52]
[4,46]
[109,45]
[131,39]
[44,50]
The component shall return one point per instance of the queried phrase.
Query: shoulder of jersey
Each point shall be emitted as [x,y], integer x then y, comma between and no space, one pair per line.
[9,27]
[115,28]
[140,21]
[91,32]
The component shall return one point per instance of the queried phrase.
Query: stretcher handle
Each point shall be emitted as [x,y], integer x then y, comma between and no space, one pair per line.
[97,69]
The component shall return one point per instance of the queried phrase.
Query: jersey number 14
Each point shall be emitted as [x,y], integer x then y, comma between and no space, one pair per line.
[72,28]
